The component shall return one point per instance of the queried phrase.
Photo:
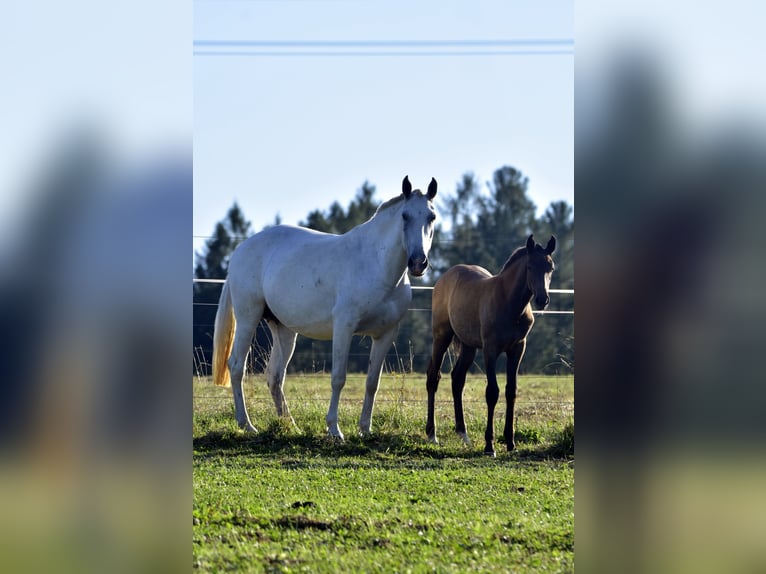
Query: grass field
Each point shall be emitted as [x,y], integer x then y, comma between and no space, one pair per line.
[289,500]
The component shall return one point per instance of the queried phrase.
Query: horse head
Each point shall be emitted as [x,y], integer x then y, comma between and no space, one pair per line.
[539,269]
[418,218]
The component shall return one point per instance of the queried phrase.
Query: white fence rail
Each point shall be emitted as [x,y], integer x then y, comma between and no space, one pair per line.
[428,288]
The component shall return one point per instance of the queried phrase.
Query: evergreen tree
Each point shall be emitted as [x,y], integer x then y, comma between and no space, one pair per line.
[338,220]
[485,229]
[551,342]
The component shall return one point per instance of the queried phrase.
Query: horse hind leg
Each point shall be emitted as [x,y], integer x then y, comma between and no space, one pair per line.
[276,369]
[515,354]
[464,362]
[243,338]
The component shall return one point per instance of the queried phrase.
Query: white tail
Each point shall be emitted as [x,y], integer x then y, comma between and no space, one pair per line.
[223,338]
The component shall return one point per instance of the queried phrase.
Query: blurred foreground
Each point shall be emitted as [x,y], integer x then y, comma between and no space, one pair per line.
[670,182]
[94,309]
[96,328]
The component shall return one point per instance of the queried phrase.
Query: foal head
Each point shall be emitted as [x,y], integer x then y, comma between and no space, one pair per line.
[539,269]
[418,218]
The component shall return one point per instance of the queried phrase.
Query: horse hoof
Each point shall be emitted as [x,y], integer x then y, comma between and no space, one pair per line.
[464,436]
[490,453]
[432,439]
[248,427]
[336,436]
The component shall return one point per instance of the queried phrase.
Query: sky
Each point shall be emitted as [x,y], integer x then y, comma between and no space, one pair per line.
[283,133]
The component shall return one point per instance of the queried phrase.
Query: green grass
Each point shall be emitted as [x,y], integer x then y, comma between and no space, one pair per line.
[296,501]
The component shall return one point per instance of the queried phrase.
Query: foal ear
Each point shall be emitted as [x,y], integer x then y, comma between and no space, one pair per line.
[531,244]
[551,245]
[406,187]
[431,189]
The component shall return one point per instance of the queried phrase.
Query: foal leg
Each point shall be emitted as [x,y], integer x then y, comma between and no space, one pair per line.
[491,394]
[281,353]
[378,352]
[514,354]
[243,338]
[433,376]
[341,344]
[464,362]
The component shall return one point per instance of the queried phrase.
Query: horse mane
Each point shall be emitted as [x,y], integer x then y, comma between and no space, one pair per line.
[391,202]
[517,254]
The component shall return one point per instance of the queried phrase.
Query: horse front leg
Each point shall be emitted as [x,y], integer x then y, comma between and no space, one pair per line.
[491,394]
[433,376]
[464,361]
[341,345]
[380,347]
[514,355]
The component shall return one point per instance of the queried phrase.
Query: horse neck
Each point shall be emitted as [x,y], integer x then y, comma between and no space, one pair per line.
[383,241]
[514,285]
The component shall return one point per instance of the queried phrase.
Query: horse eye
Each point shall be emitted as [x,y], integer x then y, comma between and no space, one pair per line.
[431,218]
[406,216]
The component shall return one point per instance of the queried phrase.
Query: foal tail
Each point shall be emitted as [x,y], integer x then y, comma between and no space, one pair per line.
[223,338]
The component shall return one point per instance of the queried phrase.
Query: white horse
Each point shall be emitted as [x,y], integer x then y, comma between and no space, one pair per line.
[323,286]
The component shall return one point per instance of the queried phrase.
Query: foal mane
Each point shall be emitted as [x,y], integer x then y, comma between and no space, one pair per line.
[517,254]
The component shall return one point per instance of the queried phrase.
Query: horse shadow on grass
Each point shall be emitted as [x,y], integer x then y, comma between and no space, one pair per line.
[275,441]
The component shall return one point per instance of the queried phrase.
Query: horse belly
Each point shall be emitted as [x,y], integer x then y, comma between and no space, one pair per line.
[465,320]
[319,331]
[304,312]
[468,332]
[457,298]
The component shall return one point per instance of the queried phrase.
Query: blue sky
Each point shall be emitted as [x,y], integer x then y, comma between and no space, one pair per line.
[291,133]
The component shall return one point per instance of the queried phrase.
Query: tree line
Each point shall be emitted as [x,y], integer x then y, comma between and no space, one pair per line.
[478,224]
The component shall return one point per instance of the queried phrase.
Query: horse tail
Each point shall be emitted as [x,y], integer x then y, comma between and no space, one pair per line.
[223,338]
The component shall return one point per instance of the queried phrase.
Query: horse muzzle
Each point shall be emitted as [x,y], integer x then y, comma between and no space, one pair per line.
[417,265]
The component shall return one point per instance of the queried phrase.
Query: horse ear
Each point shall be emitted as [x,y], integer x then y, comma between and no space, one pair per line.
[432,189]
[531,244]
[550,248]
[406,187]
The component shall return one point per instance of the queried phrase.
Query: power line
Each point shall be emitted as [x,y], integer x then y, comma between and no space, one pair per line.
[363,48]
[385,43]
[389,54]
